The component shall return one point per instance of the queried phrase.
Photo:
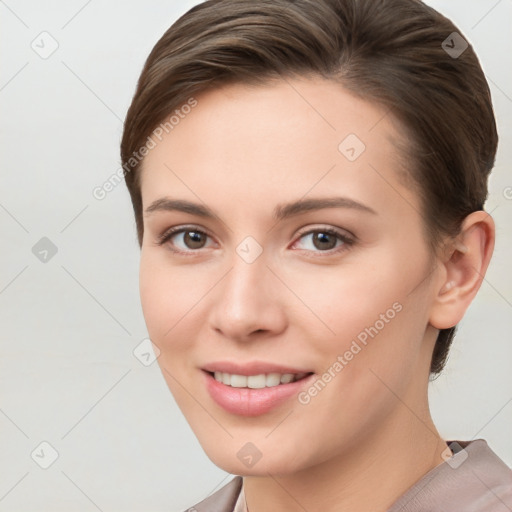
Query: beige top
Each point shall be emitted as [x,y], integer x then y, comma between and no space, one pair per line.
[473,479]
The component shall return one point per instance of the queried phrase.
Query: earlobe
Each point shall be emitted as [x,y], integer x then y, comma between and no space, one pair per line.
[467,259]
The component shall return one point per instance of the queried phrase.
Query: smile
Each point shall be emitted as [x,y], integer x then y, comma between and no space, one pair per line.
[262,380]
[253,395]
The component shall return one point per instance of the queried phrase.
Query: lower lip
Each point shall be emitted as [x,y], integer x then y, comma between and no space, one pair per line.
[252,402]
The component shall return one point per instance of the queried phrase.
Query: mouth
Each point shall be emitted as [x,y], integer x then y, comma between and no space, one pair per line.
[254,395]
[262,380]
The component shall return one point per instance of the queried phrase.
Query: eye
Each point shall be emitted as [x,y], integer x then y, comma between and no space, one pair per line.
[326,240]
[188,238]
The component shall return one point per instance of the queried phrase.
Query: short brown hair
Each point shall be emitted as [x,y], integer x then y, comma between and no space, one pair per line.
[393,52]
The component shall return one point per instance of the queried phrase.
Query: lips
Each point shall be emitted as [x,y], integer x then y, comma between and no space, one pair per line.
[252,368]
[254,388]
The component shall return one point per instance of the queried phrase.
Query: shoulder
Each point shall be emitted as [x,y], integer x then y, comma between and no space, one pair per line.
[222,500]
[473,479]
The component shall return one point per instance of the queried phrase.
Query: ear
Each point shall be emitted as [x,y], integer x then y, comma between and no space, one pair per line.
[464,266]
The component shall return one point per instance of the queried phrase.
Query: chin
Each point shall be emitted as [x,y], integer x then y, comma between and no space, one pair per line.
[245,460]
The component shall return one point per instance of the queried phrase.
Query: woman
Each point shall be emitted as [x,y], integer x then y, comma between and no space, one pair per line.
[260,131]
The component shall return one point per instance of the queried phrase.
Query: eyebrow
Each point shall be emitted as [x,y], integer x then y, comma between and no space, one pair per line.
[281,211]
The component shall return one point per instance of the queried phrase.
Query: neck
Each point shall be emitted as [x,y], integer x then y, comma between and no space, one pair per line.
[370,475]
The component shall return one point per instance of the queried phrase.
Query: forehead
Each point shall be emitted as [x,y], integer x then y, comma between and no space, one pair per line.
[281,139]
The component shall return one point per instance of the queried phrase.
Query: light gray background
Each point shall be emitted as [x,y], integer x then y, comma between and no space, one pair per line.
[69,326]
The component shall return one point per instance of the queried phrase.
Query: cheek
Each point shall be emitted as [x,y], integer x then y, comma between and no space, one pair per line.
[166,294]
[366,313]
[154,298]
[379,326]
[354,295]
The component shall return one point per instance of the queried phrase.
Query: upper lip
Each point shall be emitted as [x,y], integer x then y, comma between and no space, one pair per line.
[251,368]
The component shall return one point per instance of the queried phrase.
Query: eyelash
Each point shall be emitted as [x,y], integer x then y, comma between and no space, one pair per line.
[348,242]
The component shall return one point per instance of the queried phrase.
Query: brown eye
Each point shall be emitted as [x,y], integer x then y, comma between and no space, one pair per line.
[194,239]
[184,239]
[324,240]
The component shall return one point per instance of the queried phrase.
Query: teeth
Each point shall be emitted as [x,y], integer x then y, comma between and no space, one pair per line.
[262,380]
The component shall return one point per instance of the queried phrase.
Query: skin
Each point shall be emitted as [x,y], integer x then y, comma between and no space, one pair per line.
[368,435]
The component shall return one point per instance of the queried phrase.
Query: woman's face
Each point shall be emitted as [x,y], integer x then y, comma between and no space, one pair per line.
[257,286]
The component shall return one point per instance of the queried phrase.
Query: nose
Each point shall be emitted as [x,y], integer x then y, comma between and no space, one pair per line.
[248,301]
